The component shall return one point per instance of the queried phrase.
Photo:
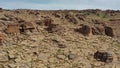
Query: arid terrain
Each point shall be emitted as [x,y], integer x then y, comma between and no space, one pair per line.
[59,38]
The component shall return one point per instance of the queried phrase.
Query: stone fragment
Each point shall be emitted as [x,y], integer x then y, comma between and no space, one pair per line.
[62,46]
[103,56]
[61,57]
[71,18]
[3,57]
[85,30]
[109,31]
[71,56]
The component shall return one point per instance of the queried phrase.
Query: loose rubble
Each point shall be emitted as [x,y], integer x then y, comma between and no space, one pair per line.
[59,39]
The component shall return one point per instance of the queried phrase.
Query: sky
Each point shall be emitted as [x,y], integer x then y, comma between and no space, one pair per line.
[60,4]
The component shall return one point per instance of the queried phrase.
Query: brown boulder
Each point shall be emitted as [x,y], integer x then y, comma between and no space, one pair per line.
[28,26]
[85,30]
[95,30]
[71,18]
[103,56]
[109,31]
[46,21]
[12,29]
[55,28]
[80,17]
[98,30]
[56,15]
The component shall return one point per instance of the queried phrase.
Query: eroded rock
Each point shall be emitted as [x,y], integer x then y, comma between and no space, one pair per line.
[47,21]
[62,46]
[71,56]
[61,57]
[71,18]
[3,57]
[55,28]
[98,30]
[103,56]
[85,30]
[12,29]
[109,31]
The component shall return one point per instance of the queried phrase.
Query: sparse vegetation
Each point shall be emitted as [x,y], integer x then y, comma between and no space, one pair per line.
[58,38]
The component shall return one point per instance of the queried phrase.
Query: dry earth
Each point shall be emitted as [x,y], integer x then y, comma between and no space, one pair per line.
[58,39]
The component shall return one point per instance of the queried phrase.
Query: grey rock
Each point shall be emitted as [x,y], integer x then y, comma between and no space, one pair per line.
[61,56]
[24,66]
[71,56]
[3,57]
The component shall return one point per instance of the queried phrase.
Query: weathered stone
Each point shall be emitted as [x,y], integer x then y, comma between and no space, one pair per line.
[3,57]
[85,30]
[24,66]
[56,15]
[18,59]
[11,56]
[71,18]
[109,31]
[97,64]
[98,30]
[12,65]
[61,57]
[39,22]
[62,46]
[55,28]
[71,56]
[80,17]
[103,56]
[12,29]
[47,21]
